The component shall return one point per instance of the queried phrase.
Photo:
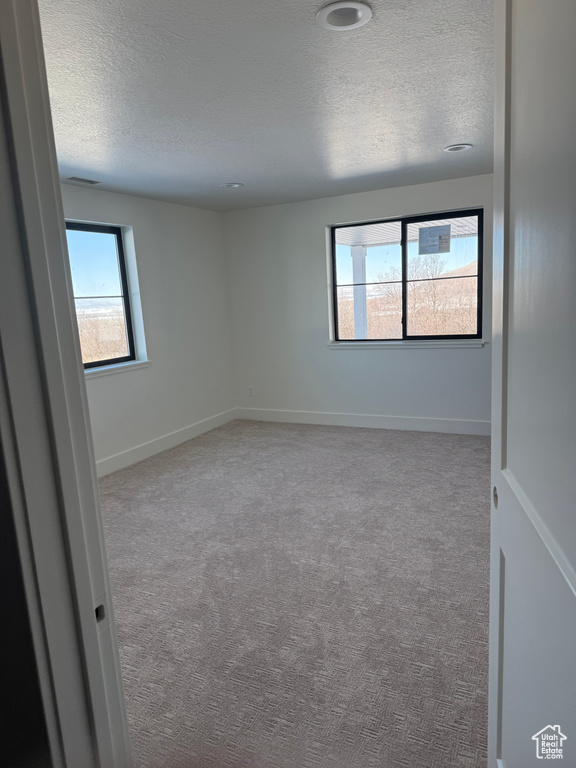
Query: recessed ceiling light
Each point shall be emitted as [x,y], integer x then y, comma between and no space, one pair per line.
[344,14]
[232,184]
[457,147]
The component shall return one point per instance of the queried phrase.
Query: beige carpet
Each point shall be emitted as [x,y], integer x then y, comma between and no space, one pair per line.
[294,596]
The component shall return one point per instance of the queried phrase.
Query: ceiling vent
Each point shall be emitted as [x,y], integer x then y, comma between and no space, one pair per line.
[80,180]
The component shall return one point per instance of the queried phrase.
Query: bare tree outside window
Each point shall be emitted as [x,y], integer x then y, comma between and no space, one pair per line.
[441,289]
[102,329]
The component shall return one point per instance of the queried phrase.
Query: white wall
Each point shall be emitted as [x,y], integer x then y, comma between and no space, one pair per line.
[279,304]
[252,309]
[181,273]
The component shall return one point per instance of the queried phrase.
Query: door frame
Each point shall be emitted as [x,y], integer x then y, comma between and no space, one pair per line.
[44,425]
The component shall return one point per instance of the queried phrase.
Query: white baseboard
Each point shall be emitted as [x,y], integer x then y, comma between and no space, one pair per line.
[416,423]
[145,450]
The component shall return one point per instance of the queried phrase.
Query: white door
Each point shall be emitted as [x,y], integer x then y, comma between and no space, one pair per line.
[533,631]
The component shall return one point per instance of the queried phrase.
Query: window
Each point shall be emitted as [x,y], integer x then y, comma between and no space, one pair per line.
[418,277]
[101,294]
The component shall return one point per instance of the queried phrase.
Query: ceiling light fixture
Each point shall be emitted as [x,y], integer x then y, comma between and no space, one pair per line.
[232,184]
[344,14]
[457,147]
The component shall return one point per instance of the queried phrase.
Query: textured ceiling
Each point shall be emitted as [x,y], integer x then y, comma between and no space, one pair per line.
[171,98]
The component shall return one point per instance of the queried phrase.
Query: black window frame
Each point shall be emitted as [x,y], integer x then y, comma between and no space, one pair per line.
[404,222]
[80,226]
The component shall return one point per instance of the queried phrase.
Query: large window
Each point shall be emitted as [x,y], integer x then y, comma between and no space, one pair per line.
[100,293]
[418,277]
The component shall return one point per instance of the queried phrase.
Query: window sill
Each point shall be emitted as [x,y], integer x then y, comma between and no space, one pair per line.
[425,344]
[106,370]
